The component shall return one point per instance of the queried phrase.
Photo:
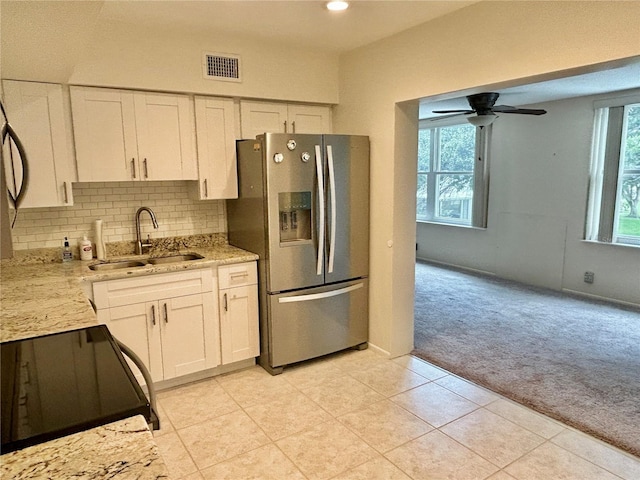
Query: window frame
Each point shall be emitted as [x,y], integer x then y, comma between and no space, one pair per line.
[479,196]
[606,170]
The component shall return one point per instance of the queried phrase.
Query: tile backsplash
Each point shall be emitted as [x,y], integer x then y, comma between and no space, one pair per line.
[116,203]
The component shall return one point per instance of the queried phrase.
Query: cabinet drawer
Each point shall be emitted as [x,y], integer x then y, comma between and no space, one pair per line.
[128,291]
[237,275]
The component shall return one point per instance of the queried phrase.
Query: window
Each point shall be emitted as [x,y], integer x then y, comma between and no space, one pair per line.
[452,173]
[614,196]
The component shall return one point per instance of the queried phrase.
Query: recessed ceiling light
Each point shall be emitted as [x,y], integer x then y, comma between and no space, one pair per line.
[335,6]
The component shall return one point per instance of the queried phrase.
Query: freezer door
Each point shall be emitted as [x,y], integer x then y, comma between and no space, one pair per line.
[317,321]
[347,207]
[294,175]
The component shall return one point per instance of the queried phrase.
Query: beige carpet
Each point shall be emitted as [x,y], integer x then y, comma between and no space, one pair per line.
[575,360]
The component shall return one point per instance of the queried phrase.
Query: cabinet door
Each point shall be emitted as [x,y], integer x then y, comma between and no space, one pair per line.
[164,126]
[138,327]
[239,323]
[216,139]
[36,113]
[105,134]
[309,119]
[260,117]
[189,339]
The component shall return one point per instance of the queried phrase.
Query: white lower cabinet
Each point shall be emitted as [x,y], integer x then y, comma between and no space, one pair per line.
[184,322]
[238,298]
[169,320]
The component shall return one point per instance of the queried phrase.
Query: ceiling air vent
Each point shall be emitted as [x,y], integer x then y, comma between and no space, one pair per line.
[222,66]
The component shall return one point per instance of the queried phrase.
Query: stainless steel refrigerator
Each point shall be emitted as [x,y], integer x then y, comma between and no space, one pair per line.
[303,207]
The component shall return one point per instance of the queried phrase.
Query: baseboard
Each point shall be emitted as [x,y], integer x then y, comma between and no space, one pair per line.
[457,267]
[564,290]
[379,350]
[600,298]
[204,374]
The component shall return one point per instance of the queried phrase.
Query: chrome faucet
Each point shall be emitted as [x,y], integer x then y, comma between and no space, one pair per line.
[139,245]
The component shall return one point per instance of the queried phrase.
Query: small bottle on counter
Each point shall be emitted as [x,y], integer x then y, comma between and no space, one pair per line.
[86,250]
[67,254]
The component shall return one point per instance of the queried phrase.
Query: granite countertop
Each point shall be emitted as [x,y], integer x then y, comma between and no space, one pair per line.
[123,449]
[40,296]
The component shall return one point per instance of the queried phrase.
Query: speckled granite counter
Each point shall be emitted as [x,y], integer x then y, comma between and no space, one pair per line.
[39,297]
[123,450]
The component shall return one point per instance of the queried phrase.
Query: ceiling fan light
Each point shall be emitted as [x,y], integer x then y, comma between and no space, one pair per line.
[336,6]
[481,120]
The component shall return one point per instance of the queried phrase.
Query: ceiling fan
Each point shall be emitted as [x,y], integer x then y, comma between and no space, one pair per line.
[483,105]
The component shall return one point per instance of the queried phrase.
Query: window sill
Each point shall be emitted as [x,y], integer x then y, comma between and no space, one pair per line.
[457,225]
[620,245]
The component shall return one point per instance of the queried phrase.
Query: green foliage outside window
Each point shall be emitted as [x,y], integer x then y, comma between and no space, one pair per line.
[629,212]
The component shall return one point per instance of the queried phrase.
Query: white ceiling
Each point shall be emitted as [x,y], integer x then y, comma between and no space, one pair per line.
[301,22]
[602,79]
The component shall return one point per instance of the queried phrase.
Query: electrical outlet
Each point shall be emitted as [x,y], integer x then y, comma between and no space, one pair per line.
[589,276]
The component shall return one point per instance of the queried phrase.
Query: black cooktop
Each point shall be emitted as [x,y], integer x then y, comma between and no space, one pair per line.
[63,383]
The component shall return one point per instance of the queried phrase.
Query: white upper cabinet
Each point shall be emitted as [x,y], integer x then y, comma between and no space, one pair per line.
[164,126]
[216,137]
[123,135]
[36,113]
[309,119]
[261,117]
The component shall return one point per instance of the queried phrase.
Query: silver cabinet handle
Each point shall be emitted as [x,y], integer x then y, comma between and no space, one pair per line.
[146,170]
[166,314]
[153,314]
[66,192]
[226,303]
[133,167]
[285,126]
[206,190]
[293,126]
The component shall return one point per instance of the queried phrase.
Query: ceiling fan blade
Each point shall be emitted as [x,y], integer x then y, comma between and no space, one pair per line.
[521,111]
[453,111]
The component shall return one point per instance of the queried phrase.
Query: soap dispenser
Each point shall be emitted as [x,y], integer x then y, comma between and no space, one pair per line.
[86,250]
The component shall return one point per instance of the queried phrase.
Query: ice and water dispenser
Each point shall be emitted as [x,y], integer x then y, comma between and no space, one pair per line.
[295,216]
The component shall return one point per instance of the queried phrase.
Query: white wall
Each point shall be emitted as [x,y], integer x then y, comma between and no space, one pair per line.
[486,44]
[135,56]
[538,188]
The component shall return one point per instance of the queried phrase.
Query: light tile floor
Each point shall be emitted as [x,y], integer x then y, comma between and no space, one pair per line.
[356,415]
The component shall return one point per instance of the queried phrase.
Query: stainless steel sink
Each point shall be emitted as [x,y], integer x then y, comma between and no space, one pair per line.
[116,265]
[187,257]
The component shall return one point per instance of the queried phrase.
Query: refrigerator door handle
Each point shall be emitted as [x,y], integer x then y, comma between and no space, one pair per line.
[317,296]
[321,214]
[332,193]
